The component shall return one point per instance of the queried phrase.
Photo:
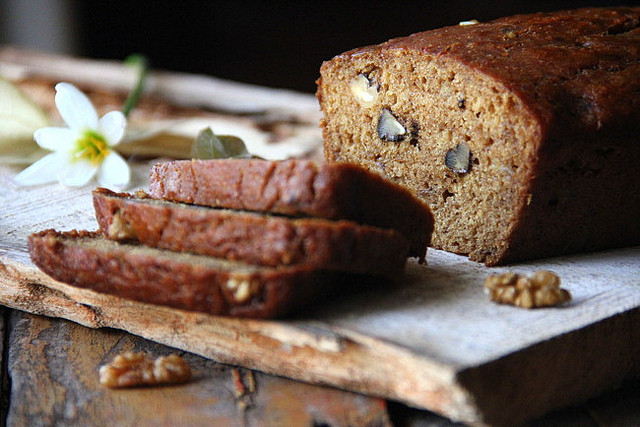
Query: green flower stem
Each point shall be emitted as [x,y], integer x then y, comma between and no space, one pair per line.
[142,65]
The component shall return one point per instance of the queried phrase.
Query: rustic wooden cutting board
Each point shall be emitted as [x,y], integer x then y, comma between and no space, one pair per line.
[434,341]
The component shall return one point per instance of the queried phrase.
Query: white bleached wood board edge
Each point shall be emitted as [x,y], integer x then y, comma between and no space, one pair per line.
[182,89]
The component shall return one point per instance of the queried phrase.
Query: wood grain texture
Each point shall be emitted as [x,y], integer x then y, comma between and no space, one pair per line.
[73,354]
[4,379]
[618,408]
[435,341]
[54,370]
[181,89]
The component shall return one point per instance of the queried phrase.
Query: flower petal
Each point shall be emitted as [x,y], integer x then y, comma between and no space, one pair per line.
[112,126]
[76,173]
[76,109]
[114,171]
[56,139]
[43,171]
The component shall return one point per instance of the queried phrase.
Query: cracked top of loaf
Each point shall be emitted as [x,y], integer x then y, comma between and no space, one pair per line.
[575,64]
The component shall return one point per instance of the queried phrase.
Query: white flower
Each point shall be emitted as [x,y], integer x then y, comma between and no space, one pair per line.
[83,149]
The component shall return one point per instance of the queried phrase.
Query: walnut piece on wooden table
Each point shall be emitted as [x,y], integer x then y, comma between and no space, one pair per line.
[540,290]
[137,369]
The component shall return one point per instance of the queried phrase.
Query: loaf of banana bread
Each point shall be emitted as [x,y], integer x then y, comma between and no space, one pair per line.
[521,134]
[251,237]
[297,187]
[180,280]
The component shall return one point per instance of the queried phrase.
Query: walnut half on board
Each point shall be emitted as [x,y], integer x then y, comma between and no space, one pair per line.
[540,290]
[131,369]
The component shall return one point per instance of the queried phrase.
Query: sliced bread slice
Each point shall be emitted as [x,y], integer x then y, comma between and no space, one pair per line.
[180,280]
[299,188]
[256,238]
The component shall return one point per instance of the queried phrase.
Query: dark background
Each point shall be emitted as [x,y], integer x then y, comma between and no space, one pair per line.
[277,44]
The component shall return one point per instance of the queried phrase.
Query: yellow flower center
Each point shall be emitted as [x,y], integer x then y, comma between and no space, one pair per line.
[91,146]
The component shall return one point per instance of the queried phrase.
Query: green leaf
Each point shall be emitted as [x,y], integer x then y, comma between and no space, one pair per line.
[19,118]
[208,145]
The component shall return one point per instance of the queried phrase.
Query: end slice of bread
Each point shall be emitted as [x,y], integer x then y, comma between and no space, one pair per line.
[179,280]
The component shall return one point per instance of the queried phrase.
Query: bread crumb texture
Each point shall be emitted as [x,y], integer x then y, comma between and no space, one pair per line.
[500,127]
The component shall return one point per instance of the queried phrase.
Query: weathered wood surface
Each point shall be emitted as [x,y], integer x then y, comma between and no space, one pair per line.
[61,358]
[187,90]
[4,386]
[434,341]
[54,381]
[53,366]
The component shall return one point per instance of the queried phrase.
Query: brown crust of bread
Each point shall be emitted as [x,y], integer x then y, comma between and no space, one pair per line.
[185,281]
[254,238]
[296,187]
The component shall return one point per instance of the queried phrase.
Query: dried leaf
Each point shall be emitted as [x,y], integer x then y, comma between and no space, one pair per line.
[157,144]
[19,118]
[175,138]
